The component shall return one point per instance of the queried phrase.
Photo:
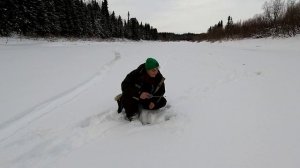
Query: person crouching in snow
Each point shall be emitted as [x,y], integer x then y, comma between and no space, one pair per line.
[143,88]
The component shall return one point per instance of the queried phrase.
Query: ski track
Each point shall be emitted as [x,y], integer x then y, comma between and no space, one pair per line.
[17,123]
[30,145]
[24,144]
[51,146]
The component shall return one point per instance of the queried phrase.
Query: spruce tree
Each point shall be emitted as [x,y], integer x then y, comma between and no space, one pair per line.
[42,23]
[60,12]
[6,7]
[96,19]
[80,29]
[114,25]
[134,29]
[120,27]
[24,17]
[154,34]
[148,35]
[53,18]
[105,20]
[87,23]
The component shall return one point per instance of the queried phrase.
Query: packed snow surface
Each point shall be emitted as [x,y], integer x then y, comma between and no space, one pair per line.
[233,104]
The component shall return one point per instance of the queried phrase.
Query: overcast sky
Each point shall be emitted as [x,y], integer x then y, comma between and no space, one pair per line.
[182,16]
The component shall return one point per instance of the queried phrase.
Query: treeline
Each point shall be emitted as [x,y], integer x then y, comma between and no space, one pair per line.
[279,19]
[69,18]
[167,36]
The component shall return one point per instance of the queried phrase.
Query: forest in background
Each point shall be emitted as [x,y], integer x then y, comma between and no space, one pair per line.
[280,18]
[69,18]
[92,19]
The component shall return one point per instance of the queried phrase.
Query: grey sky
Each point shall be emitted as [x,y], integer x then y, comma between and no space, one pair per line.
[181,16]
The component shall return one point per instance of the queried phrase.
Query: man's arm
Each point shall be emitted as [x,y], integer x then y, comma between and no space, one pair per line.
[129,86]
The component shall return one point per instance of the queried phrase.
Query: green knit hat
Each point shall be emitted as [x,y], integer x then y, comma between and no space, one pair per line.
[151,63]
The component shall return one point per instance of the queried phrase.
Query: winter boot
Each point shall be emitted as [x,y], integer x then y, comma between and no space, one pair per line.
[120,105]
[131,117]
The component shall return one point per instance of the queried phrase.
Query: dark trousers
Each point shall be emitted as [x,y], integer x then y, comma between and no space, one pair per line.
[133,107]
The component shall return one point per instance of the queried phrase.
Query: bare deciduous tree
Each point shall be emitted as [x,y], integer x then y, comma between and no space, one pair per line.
[273,10]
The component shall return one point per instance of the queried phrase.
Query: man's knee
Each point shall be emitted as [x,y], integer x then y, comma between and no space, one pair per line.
[161,103]
[131,106]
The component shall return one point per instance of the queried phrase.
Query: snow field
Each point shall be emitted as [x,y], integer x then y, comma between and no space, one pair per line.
[233,104]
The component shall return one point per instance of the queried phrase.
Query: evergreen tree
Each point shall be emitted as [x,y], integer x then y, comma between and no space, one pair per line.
[24,17]
[229,21]
[134,29]
[148,33]
[96,19]
[105,21]
[154,34]
[60,12]
[229,27]
[120,27]
[68,18]
[42,23]
[79,15]
[114,25]
[53,18]
[141,31]
[73,18]
[6,20]
[87,23]
[126,29]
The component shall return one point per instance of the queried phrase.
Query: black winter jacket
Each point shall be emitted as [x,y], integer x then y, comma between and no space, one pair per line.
[139,81]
